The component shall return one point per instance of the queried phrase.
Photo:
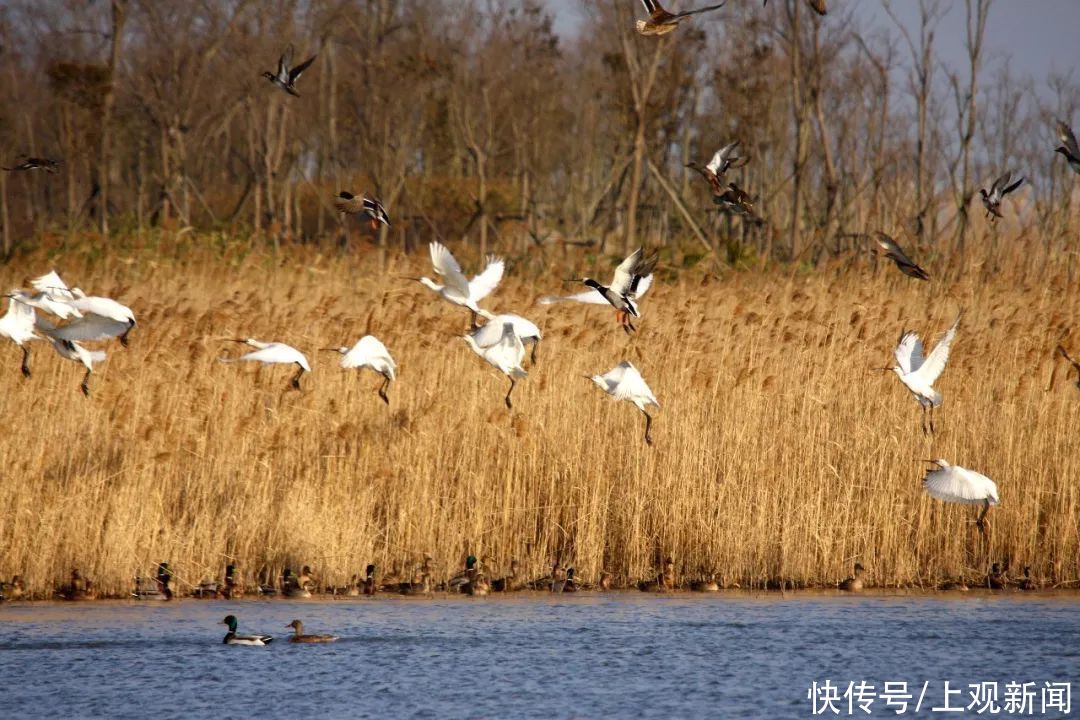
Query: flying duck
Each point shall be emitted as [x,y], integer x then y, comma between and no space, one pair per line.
[661,22]
[286,76]
[723,160]
[49,166]
[625,286]
[894,252]
[1068,146]
[1000,188]
[350,204]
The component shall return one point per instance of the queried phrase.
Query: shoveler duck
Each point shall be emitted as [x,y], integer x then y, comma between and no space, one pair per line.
[626,285]
[892,250]
[1076,365]
[1068,148]
[35,163]
[232,638]
[286,76]
[722,160]
[299,636]
[349,204]
[661,22]
[369,352]
[855,582]
[998,190]
[624,382]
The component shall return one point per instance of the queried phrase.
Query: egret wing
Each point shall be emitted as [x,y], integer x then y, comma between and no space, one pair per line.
[19,319]
[935,362]
[482,285]
[909,352]
[446,265]
[959,485]
[52,286]
[90,327]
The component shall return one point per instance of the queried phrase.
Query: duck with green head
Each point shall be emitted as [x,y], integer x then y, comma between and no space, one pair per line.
[232,638]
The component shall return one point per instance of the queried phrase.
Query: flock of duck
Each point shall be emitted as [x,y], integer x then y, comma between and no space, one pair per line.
[67,317]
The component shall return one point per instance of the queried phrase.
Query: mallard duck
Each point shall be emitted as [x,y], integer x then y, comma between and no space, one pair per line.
[79,589]
[16,588]
[369,580]
[605,581]
[855,582]
[737,201]
[1068,148]
[286,76]
[233,588]
[998,577]
[300,637]
[231,638]
[1028,582]
[894,252]
[165,582]
[954,585]
[998,190]
[571,584]
[509,582]
[32,163]
[558,578]
[416,587]
[661,22]
[654,585]
[667,577]
[350,204]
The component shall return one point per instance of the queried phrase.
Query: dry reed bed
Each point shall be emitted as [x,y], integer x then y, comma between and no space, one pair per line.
[780,454]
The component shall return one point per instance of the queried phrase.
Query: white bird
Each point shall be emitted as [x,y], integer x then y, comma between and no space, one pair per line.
[632,278]
[42,301]
[953,483]
[272,353]
[369,352]
[624,382]
[71,350]
[492,332]
[456,289]
[113,319]
[919,375]
[17,325]
[506,356]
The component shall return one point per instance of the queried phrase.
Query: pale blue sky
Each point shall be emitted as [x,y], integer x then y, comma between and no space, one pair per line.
[1039,35]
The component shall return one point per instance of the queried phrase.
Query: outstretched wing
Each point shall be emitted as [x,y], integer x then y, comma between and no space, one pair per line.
[346,202]
[935,362]
[630,269]
[687,13]
[1008,189]
[589,297]
[284,62]
[1065,133]
[297,71]
[89,328]
[717,162]
[640,285]
[482,285]
[651,6]
[959,485]
[53,287]
[446,264]
[909,352]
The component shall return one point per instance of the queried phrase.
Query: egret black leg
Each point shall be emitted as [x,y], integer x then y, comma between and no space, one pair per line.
[924,420]
[532,356]
[383,388]
[26,361]
[124,337]
[296,379]
[931,419]
[648,428]
[981,522]
[508,403]
[85,386]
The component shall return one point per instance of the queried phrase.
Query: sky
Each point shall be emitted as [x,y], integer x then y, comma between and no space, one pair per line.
[1039,36]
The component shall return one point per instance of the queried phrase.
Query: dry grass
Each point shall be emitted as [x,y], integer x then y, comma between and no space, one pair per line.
[779,454]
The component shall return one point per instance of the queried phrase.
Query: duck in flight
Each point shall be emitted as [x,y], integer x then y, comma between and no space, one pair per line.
[350,204]
[32,163]
[286,76]
[1068,148]
[632,278]
[998,190]
[661,22]
[892,250]
[723,160]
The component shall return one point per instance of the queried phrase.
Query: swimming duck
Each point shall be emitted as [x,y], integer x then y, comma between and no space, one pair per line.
[855,582]
[286,76]
[79,589]
[296,587]
[416,587]
[667,577]
[654,585]
[998,190]
[661,22]
[707,584]
[509,582]
[954,585]
[16,588]
[166,584]
[369,580]
[231,638]
[1068,147]
[998,577]
[571,584]
[558,578]
[894,252]
[605,581]
[350,204]
[300,637]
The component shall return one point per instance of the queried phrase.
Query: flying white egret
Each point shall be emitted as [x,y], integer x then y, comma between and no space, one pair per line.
[42,301]
[369,352]
[492,332]
[624,382]
[632,278]
[919,375]
[71,350]
[113,319]
[272,353]
[17,325]
[953,483]
[456,289]
[506,356]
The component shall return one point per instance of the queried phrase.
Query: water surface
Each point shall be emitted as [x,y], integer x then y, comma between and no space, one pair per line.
[613,655]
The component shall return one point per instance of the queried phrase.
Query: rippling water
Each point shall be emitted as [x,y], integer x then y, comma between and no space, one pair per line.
[613,655]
